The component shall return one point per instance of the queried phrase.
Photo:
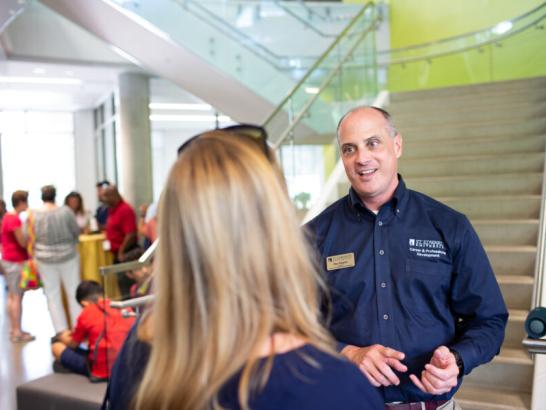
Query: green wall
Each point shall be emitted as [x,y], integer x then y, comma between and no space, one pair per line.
[421,21]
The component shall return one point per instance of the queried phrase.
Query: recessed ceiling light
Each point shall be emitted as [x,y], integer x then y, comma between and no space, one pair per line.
[69,73]
[312,90]
[39,70]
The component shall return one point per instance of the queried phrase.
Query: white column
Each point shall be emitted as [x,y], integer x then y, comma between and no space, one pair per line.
[85,158]
[134,139]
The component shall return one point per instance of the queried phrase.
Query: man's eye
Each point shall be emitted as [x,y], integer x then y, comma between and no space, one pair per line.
[373,143]
[348,150]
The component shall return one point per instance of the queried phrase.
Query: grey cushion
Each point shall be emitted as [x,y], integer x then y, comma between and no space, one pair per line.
[60,392]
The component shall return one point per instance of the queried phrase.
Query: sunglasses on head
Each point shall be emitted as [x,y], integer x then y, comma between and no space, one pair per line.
[254,132]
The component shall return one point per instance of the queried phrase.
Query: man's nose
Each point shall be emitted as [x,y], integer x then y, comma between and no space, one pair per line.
[362,156]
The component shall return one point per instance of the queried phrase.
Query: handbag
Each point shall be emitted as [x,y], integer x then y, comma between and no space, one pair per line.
[30,277]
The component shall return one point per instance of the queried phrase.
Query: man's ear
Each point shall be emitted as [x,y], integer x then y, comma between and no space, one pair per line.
[398,144]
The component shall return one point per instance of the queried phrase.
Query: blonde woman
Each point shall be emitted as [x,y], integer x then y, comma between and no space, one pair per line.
[235,324]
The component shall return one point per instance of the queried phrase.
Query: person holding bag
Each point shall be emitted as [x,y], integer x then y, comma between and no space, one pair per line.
[14,256]
[57,258]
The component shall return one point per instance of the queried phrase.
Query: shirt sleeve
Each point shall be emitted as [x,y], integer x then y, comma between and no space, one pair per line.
[81,330]
[477,303]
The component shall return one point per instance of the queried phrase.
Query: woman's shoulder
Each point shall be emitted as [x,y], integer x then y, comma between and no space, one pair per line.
[309,378]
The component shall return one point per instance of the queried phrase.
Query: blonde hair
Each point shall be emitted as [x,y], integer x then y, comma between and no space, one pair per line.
[233,268]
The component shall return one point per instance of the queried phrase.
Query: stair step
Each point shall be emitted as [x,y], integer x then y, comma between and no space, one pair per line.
[515,329]
[482,398]
[508,144]
[469,185]
[512,260]
[517,291]
[499,207]
[512,370]
[507,232]
[526,87]
[442,115]
[471,164]
[475,129]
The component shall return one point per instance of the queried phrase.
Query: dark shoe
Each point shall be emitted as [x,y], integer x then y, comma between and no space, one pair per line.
[59,368]
[55,338]
[95,379]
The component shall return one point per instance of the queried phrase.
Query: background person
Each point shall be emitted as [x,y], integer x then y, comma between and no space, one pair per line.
[121,232]
[237,305]
[415,302]
[95,325]
[57,257]
[14,255]
[101,213]
[74,201]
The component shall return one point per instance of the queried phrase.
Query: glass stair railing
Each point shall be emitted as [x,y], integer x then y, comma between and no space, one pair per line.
[251,41]
[309,158]
[471,58]
[303,126]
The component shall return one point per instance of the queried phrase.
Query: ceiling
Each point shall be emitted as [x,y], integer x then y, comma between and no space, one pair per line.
[49,63]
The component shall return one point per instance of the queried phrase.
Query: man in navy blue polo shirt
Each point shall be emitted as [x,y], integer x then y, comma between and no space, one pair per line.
[414,301]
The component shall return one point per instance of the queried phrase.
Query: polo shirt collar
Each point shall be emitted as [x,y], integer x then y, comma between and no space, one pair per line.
[397,202]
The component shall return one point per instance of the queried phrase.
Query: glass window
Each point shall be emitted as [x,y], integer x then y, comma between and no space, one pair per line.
[37,149]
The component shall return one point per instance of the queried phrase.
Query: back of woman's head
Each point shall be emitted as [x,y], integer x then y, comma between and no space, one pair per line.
[233,269]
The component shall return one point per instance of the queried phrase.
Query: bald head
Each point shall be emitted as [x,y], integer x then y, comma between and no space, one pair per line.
[111,196]
[368,109]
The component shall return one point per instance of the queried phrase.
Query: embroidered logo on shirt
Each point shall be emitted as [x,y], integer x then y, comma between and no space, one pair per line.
[427,248]
[345,260]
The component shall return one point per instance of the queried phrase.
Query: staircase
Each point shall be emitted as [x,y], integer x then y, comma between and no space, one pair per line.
[480,149]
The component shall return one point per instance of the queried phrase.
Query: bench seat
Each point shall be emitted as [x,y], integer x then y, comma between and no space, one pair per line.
[60,392]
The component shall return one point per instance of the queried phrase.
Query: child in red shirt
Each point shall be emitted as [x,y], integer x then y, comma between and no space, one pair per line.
[103,327]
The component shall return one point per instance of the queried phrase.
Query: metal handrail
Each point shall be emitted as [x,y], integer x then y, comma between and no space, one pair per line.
[303,21]
[537,346]
[460,36]
[131,303]
[316,64]
[463,49]
[144,260]
[252,44]
[229,30]
[325,84]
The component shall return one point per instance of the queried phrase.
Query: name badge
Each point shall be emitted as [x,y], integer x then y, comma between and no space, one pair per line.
[345,260]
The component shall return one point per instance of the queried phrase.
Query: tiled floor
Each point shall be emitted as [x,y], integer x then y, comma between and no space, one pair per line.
[22,362]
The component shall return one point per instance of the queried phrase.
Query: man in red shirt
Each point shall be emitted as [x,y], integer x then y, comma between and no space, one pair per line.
[121,228]
[103,327]
[14,255]
[121,231]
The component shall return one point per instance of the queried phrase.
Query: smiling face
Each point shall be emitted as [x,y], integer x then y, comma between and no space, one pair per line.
[370,156]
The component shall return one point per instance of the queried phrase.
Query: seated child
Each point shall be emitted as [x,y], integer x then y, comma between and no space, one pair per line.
[103,327]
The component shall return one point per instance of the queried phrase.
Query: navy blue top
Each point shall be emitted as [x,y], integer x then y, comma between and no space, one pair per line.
[294,384]
[101,214]
[421,279]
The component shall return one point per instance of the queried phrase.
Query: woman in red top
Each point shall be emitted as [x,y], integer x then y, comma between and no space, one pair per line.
[14,254]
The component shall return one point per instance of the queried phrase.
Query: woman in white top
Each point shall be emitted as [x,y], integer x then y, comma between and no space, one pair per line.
[74,201]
